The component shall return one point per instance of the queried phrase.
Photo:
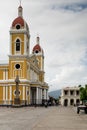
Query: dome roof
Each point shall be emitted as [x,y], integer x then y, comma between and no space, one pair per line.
[18,20]
[37,48]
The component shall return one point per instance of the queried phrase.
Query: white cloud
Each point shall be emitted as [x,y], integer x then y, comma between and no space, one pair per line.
[70,76]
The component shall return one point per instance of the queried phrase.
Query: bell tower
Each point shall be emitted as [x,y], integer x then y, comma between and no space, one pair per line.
[19,46]
[39,53]
[19,36]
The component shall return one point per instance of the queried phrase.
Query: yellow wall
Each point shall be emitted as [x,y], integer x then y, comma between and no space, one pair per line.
[22,72]
[1,74]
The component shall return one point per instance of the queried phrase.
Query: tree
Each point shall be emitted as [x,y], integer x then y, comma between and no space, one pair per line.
[83,93]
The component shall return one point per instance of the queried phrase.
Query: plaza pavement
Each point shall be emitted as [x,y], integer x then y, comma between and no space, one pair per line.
[41,118]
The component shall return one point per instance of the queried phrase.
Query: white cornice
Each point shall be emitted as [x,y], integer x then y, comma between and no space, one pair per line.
[3,64]
[13,80]
[18,56]
[18,31]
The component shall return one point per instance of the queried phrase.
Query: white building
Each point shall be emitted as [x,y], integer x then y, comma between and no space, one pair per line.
[70,96]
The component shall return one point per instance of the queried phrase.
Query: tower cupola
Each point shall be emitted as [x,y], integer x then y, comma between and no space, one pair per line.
[37,48]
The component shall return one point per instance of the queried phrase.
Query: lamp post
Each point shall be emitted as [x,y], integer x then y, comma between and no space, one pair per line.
[17,99]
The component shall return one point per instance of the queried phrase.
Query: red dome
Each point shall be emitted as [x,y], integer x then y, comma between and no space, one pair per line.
[37,47]
[18,20]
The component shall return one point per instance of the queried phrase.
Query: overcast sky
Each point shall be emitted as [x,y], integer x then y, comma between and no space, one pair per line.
[62,27]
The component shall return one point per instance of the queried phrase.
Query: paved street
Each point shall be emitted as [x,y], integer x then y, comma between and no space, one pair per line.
[40,118]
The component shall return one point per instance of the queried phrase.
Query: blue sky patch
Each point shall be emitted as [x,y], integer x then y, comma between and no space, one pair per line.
[77,7]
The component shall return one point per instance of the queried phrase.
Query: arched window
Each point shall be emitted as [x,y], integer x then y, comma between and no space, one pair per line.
[17,45]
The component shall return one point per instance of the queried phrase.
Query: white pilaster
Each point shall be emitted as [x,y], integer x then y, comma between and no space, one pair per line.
[10,92]
[3,93]
[23,92]
[74,100]
[41,93]
[6,74]
[6,93]
[10,44]
[27,94]
[25,52]
[47,94]
[44,93]
[68,101]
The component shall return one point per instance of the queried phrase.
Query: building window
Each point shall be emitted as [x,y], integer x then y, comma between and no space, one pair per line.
[36,51]
[77,92]
[17,26]
[16,92]
[71,92]
[17,66]
[17,45]
[66,92]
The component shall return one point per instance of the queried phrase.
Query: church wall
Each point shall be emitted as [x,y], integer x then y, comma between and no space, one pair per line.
[27,70]
[22,72]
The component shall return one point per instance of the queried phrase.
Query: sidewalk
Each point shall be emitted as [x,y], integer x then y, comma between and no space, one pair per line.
[62,118]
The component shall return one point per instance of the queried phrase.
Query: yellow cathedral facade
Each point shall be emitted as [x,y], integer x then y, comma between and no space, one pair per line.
[29,67]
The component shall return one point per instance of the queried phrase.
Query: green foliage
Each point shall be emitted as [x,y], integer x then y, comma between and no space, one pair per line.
[83,93]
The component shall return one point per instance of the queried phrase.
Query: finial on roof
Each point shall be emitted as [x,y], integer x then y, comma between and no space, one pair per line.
[20,2]
[20,10]
[37,39]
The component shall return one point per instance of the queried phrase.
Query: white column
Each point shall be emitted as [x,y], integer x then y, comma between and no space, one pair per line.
[68,101]
[47,94]
[37,95]
[6,93]
[75,101]
[41,94]
[10,92]
[3,93]
[10,45]
[23,92]
[44,93]
[26,94]
[29,95]
[62,101]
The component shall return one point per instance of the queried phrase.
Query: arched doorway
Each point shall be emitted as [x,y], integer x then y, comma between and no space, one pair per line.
[72,102]
[66,102]
[77,101]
